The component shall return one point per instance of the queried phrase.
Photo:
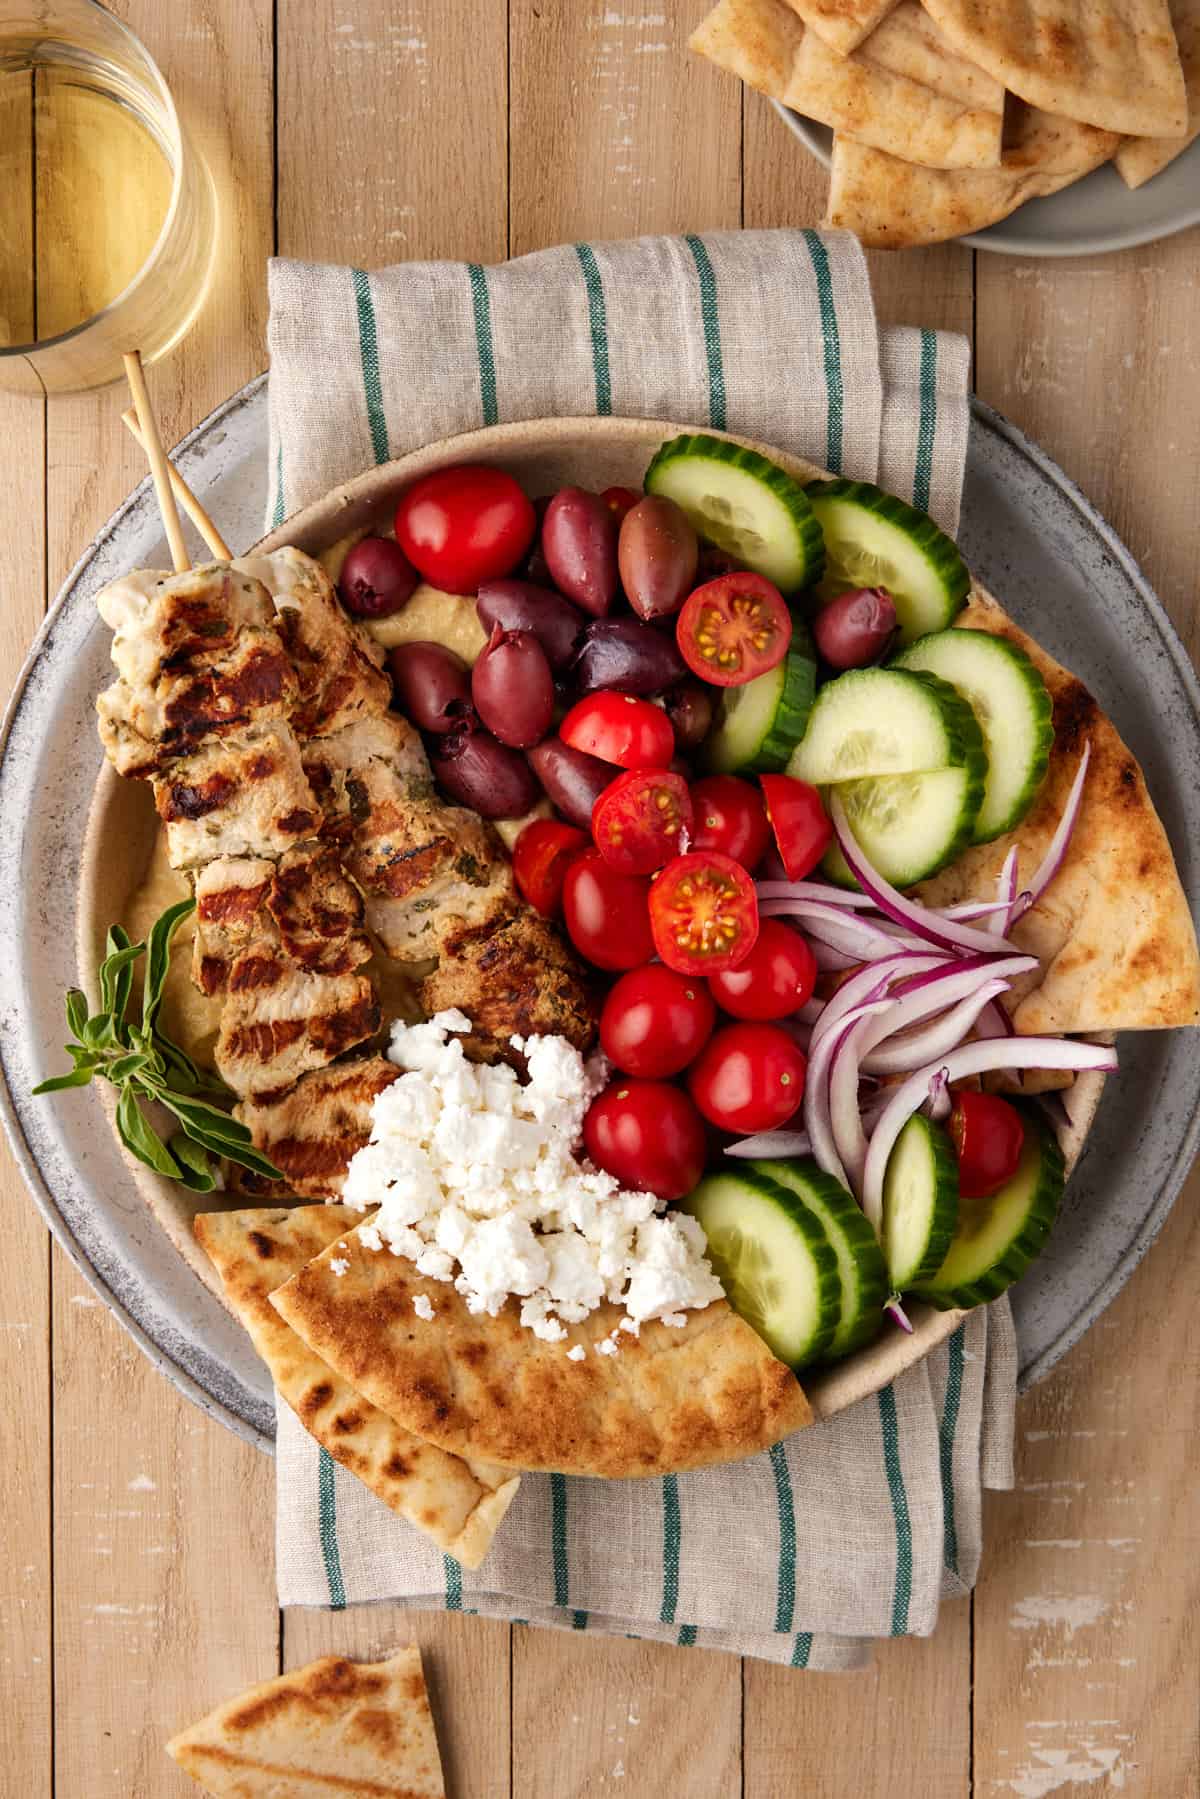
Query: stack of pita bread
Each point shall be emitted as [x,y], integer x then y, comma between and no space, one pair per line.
[948,115]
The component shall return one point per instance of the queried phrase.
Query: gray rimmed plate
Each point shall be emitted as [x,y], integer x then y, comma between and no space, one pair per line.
[1094,215]
[1026,531]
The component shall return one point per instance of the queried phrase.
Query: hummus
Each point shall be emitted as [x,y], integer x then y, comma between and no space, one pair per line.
[189,1018]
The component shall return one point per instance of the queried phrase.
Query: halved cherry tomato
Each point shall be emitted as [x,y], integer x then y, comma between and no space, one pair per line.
[542,855]
[728,815]
[989,1135]
[704,913]
[655,1021]
[748,1077]
[799,821]
[775,980]
[647,1135]
[619,728]
[620,500]
[734,628]
[606,913]
[465,525]
[640,820]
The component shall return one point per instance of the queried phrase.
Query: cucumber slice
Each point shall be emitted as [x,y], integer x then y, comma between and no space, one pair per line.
[772,1257]
[759,724]
[886,721]
[997,1238]
[908,825]
[872,539]
[861,1267]
[747,506]
[920,1202]
[1013,710]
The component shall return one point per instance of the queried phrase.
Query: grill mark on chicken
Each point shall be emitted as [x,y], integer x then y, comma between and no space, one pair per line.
[312,1132]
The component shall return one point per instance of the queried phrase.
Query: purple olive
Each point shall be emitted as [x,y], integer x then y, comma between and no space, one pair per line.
[513,688]
[629,654]
[690,710]
[657,553]
[520,606]
[470,766]
[433,685]
[855,628]
[579,542]
[573,780]
[377,578]
[714,562]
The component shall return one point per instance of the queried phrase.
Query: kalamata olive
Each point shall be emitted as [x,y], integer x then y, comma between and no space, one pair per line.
[573,781]
[433,685]
[657,553]
[855,628]
[713,563]
[472,767]
[520,606]
[690,710]
[579,542]
[377,578]
[629,654]
[513,688]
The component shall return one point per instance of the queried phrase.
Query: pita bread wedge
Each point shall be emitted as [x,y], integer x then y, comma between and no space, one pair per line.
[1110,63]
[904,91]
[1141,158]
[1114,932]
[756,40]
[894,205]
[843,24]
[668,1400]
[336,1727]
[459,1505]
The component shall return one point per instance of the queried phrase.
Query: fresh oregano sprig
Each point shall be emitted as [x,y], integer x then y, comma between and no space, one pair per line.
[144,1064]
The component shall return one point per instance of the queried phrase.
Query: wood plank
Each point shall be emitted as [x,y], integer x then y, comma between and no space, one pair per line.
[164,1586]
[17,285]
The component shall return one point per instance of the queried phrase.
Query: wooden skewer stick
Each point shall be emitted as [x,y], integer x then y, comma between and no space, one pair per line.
[159,466]
[185,496]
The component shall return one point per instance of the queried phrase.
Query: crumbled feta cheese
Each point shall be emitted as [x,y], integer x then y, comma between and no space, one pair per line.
[577,1354]
[339,1264]
[422,1306]
[476,1180]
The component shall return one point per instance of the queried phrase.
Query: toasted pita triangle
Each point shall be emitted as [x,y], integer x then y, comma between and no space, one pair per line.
[1114,932]
[756,40]
[1141,157]
[459,1505]
[668,1400]
[843,24]
[334,1727]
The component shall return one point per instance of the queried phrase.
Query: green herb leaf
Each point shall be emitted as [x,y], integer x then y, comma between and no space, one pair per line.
[224,1135]
[158,958]
[77,1011]
[141,1139]
[79,1077]
[195,1163]
[116,971]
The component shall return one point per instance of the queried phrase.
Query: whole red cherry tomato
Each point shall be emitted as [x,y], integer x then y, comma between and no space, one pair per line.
[728,815]
[989,1136]
[734,628]
[619,728]
[465,525]
[800,823]
[748,1077]
[641,819]
[704,913]
[647,1135]
[655,1021]
[620,500]
[542,855]
[775,980]
[606,913]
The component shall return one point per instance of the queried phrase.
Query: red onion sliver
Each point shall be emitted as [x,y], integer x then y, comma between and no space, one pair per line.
[1006,891]
[816,890]
[841,930]
[994,1021]
[853,991]
[935,1039]
[818,1121]
[831,961]
[939,1104]
[772,1143]
[895,1311]
[1052,860]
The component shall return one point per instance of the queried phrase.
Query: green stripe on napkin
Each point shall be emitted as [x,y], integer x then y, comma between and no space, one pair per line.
[598,323]
[368,348]
[947,1426]
[927,425]
[712,333]
[833,351]
[895,1480]
[482,309]
[558,1537]
[327,1511]
[670,1592]
[785,1602]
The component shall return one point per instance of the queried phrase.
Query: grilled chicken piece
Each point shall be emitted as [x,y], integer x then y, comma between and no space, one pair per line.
[303,904]
[231,896]
[240,796]
[312,1132]
[279,1021]
[512,976]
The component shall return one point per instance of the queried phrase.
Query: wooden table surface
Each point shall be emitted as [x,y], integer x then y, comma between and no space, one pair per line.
[137,1581]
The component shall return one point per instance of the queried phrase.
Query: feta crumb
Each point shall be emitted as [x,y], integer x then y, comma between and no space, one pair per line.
[606,1346]
[577,1354]
[676,1320]
[422,1306]
[370,1237]
[339,1264]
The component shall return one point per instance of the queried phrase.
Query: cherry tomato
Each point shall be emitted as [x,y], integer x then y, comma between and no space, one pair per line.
[641,819]
[800,823]
[748,1077]
[465,525]
[647,1135]
[542,855]
[618,728]
[606,913]
[989,1136]
[620,500]
[704,913]
[775,980]
[655,1021]
[734,628]
[728,815]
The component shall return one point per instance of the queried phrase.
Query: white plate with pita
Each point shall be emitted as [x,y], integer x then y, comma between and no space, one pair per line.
[1089,218]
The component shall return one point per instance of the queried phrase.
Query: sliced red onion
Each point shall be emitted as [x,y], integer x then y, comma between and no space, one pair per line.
[772,1143]
[841,930]
[854,991]
[844,897]
[969,1058]
[994,1021]
[818,1120]
[915,1049]
[938,1105]
[895,1311]
[1006,891]
[832,961]
[1053,859]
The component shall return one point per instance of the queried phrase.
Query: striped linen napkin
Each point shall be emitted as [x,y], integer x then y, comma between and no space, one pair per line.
[857,1528]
